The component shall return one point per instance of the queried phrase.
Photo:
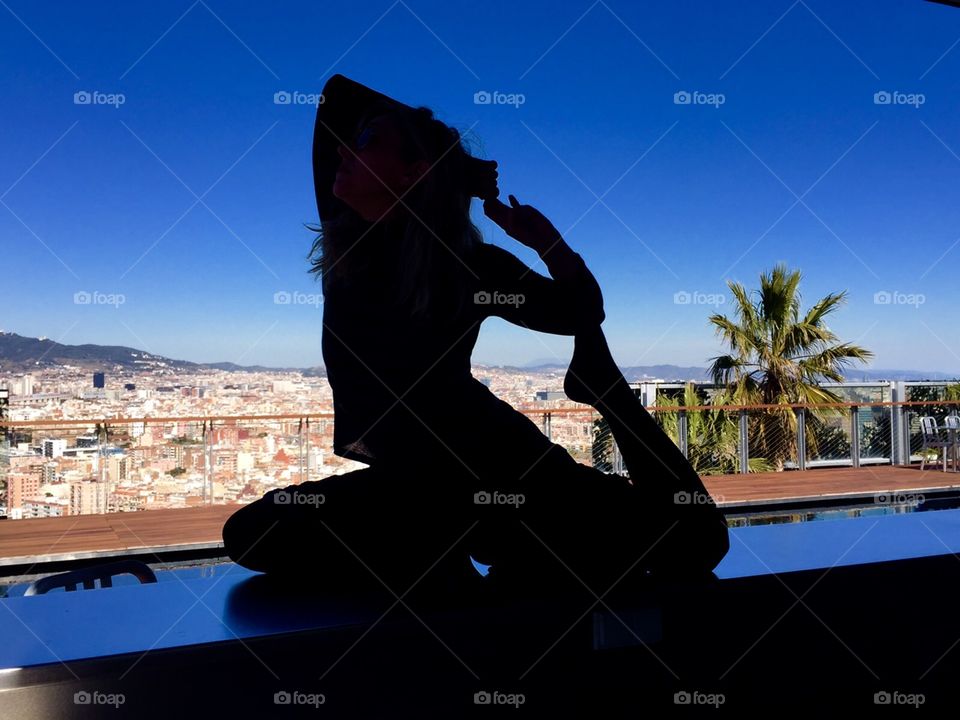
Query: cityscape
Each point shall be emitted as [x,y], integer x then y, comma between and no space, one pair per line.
[77,469]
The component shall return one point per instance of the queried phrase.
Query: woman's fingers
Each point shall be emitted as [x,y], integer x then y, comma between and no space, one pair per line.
[494,209]
[482,177]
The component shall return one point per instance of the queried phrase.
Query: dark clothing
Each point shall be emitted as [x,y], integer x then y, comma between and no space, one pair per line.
[402,389]
[401,525]
[449,438]
[406,404]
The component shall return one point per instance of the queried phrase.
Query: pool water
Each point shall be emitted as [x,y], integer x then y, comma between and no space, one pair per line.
[892,504]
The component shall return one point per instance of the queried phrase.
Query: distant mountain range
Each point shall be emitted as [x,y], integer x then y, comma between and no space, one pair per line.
[19,354]
[681,373]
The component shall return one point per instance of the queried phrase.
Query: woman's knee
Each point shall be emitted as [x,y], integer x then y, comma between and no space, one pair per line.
[237,532]
[253,536]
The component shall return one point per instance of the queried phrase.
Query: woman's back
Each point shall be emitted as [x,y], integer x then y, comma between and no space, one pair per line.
[401,382]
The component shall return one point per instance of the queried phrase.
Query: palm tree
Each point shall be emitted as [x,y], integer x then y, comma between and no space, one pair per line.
[779,357]
[713,436]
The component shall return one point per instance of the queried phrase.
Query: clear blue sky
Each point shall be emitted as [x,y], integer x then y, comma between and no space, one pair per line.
[94,195]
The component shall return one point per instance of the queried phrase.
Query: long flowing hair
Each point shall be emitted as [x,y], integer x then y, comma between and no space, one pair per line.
[436,236]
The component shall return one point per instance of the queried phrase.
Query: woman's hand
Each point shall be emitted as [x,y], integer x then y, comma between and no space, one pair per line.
[523,223]
[481,178]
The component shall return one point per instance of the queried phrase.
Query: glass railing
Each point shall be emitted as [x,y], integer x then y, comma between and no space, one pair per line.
[104,466]
[70,467]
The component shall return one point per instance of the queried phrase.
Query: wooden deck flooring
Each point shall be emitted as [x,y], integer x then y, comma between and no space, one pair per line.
[827,483]
[48,539]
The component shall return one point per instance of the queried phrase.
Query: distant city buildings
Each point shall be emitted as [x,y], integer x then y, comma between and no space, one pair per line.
[547,395]
[89,497]
[54,447]
[22,385]
[55,471]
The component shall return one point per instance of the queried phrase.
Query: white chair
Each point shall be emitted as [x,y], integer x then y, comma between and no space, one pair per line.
[933,440]
[952,424]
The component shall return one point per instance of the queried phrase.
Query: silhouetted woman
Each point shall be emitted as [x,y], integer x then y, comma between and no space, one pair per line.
[454,472]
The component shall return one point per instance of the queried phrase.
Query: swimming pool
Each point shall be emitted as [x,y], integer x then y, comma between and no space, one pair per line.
[878,506]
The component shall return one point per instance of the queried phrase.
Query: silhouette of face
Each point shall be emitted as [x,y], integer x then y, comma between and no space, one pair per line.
[372,174]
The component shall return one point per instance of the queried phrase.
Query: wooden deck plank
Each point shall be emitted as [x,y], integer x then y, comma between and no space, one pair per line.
[822,483]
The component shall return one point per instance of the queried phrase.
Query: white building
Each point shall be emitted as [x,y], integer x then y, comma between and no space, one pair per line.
[54,447]
[89,497]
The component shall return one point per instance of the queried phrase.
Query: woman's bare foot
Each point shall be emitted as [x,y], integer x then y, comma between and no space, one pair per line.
[592,374]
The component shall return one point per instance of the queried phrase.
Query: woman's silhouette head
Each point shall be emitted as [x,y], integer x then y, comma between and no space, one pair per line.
[378,166]
[403,176]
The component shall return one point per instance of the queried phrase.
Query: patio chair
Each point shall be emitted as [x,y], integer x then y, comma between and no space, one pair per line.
[933,440]
[87,577]
[952,423]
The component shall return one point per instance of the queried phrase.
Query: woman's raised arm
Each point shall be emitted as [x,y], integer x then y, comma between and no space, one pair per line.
[571,300]
[562,305]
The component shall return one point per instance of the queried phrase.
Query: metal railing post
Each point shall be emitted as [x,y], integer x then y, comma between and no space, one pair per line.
[744,450]
[547,419]
[206,461]
[683,432]
[617,459]
[801,438]
[897,424]
[300,450]
[855,435]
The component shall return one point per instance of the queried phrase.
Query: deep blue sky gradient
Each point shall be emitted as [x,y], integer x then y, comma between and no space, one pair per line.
[96,207]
